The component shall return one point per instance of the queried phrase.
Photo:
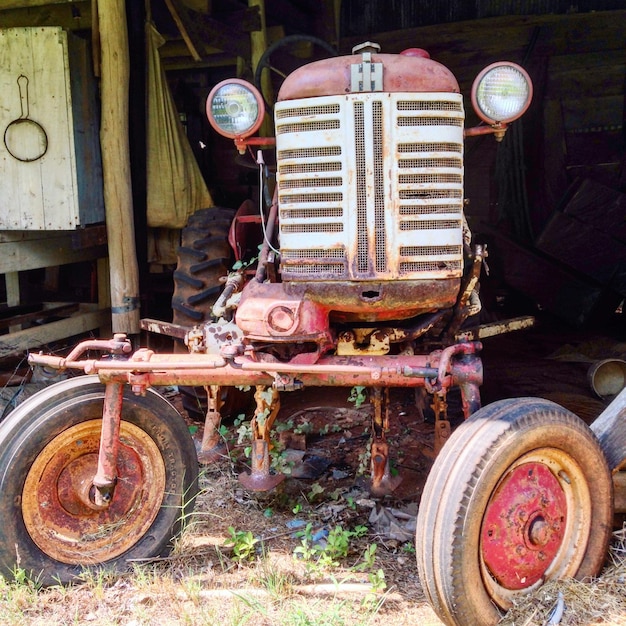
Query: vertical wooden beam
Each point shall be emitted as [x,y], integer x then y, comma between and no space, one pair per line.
[12,286]
[114,141]
[258,42]
[258,38]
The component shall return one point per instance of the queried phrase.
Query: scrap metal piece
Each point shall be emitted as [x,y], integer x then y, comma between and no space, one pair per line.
[495,328]
[442,424]
[212,448]
[382,481]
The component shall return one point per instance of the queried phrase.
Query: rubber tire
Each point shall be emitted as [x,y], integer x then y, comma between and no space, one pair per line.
[204,257]
[264,61]
[42,417]
[458,490]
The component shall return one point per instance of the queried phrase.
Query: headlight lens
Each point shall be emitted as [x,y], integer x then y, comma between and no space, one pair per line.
[235,108]
[501,93]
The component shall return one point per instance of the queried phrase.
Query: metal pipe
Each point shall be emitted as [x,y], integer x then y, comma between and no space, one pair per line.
[106,475]
[269,230]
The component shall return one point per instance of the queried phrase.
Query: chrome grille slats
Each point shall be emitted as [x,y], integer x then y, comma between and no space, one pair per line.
[376,192]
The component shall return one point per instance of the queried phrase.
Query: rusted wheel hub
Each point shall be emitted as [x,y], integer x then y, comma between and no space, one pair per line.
[523,526]
[58,502]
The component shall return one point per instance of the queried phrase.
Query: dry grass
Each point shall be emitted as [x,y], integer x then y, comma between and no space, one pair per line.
[601,601]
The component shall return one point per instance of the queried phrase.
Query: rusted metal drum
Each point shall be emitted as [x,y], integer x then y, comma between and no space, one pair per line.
[607,377]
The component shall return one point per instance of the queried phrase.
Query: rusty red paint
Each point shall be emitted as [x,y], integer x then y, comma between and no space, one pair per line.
[524,525]
[106,475]
[59,500]
[146,368]
[402,73]
[315,304]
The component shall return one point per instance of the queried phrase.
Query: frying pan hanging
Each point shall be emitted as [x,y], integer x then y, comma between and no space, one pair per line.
[25,139]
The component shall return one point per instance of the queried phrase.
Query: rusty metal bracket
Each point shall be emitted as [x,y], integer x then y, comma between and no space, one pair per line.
[267,406]
[382,482]
[106,474]
[442,424]
[212,448]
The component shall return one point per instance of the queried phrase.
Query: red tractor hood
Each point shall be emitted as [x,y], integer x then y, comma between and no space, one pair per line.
[401,73]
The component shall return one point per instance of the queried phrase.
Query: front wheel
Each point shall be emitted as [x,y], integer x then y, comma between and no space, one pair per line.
[520,494]
[51,527]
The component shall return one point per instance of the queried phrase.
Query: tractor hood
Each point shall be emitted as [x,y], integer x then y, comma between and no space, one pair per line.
[410,71]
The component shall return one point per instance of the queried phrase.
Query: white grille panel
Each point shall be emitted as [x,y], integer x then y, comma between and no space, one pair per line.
[377,176]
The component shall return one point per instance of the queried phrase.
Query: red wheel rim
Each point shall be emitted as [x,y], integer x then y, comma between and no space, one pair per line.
[524,526]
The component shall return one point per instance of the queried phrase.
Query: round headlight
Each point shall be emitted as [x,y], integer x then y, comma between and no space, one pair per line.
[235,108]
[501,93]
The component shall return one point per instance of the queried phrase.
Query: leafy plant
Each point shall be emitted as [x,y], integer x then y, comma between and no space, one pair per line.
[377,580]
[243,543]
[358,395]
[316,490]
[327,552]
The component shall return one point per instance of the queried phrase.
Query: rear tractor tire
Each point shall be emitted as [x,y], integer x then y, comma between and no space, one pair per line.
[520,494]
[204,258]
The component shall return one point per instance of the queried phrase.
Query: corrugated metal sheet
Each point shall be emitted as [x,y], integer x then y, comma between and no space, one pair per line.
[364,17]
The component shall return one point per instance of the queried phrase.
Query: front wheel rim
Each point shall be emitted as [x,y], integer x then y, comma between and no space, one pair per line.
[57,500]
[535,526]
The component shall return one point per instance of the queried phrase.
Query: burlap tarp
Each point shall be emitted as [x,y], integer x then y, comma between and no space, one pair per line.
[176,188]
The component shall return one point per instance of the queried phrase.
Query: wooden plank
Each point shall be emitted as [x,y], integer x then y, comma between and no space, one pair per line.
[593,113]
[68,15]
[198,29]
[180,17]
[85,121]
[32,254]
[177,63]
[587,82]
[460,44]
[12,288]
[587,61]
[42,194]
[42,313]
[87,319]
[23,4]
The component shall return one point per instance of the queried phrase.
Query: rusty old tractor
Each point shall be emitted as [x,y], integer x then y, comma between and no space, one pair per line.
[358,271]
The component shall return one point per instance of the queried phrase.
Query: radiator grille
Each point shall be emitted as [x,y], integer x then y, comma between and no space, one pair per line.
[429,121]
[336,253]
[307,127]
[429,250]
[370,186]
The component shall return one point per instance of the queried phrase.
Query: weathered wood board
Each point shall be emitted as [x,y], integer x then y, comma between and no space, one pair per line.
[40,187]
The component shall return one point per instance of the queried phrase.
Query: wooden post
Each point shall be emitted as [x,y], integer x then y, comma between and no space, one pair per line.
[258,41]
[114,141]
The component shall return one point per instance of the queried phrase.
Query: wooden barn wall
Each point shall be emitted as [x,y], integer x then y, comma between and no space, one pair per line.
[361,17]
